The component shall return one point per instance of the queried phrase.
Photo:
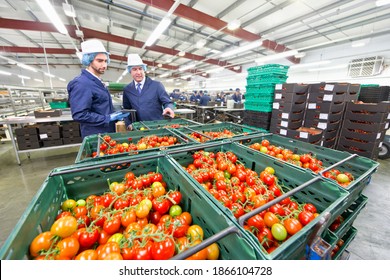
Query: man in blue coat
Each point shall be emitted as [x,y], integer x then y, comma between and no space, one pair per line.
[148,97]
[90,101]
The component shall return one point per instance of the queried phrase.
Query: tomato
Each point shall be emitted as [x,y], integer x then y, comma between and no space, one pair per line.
[266,238]
[63,214]
[68,205]
[279,232]
[41,243]
[310,207]
[342,178]
[79,211]
[212,252]
[68,248]
[270,219]
[105,250]
[142,210]
[176,196]
[112,225]
[256,221]
[265,143]
[64,226]
[292,225]
[305,217]
[175,210]
[161,205]
[116,237]
[269,179]
[269,170]
[163,250]
[185,217]
[200,255]
[87,255]
[89,237]
[237,209]
[195,232]
[143,252]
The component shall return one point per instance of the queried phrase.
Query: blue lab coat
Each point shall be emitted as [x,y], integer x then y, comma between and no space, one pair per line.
[90,104]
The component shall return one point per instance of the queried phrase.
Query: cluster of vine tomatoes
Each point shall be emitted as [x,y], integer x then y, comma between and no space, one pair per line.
[211,135]
[110,146]
[302,160]
[242,190]
[137,219]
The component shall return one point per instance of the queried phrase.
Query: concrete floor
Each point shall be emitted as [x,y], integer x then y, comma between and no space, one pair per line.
[18,185]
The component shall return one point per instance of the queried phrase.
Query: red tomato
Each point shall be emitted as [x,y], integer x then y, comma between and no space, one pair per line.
[163,250]
[292,225]
[305,217]
[42,242]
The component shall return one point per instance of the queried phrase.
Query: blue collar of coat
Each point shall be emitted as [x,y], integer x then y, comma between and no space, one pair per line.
[92,77]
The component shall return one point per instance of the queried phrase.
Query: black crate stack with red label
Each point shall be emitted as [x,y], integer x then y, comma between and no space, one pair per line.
[364,128]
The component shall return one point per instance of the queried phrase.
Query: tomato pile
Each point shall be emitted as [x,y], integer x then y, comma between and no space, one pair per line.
[302,160]
[210,135]
[110,146]
[137,219]
[241,190]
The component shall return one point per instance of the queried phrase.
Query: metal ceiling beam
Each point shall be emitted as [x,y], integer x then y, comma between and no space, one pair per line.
[90,33]
[214,23]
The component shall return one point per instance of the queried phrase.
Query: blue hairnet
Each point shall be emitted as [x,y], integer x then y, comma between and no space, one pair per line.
[129,67]
[89,57]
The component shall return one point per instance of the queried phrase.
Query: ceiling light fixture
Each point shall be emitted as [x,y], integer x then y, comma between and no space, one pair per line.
[201,43]
[52,15]
[182,53]
[215,70]
[234,24]
[162,26]
[164,75]
[186,67]
[24,77]
[244,48]
[382,2]
[5,73]
[49,75]
[303,65]
[38,80]
[276,56]
[24,66]
[360,43]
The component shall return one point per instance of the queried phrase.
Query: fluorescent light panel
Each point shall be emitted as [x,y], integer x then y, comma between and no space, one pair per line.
[24,66]
[5,73]
[382,2]
[245,48]
[38,80]
[339,66]
[52,15]
[276,56]
[186,67]
[24,77]
[161,27]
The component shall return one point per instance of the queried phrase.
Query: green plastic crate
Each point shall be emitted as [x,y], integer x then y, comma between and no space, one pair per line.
[258,106]
[58,105]
[90,144]
[236,129]
[71,182]
[350,214]
[255,89]
[348,238]
[173,123]
[268,68]
[325,195]
[361,167]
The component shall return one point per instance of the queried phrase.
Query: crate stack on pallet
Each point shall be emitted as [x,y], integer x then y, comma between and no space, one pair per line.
[325,108]
[260,92]
[289,111]
[364,128]
[374,94]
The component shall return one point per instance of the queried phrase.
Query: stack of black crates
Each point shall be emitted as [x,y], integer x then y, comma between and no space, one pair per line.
[325,108]
[374,94]
[260,92]
[48,135]
[364,128]
[289,110]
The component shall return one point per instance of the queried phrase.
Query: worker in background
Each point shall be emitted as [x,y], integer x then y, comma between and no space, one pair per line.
[148,97]
[193,96]
[89,99]
[204,99]
[237,96]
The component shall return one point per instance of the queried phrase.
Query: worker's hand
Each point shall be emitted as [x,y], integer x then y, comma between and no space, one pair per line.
[116,116]
[169,112]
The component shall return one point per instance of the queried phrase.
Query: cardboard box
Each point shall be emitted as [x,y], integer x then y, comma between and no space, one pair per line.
[47,113]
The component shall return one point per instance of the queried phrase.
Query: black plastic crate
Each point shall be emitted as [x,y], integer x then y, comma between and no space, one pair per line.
[293,115]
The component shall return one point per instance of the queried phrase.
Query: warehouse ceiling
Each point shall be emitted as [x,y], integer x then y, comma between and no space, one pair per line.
[29,37]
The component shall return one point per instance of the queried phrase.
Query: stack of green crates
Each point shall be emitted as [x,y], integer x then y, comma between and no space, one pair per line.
[260,87]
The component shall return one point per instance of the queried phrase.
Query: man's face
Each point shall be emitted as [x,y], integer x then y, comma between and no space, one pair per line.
[99,65]
[138,73]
